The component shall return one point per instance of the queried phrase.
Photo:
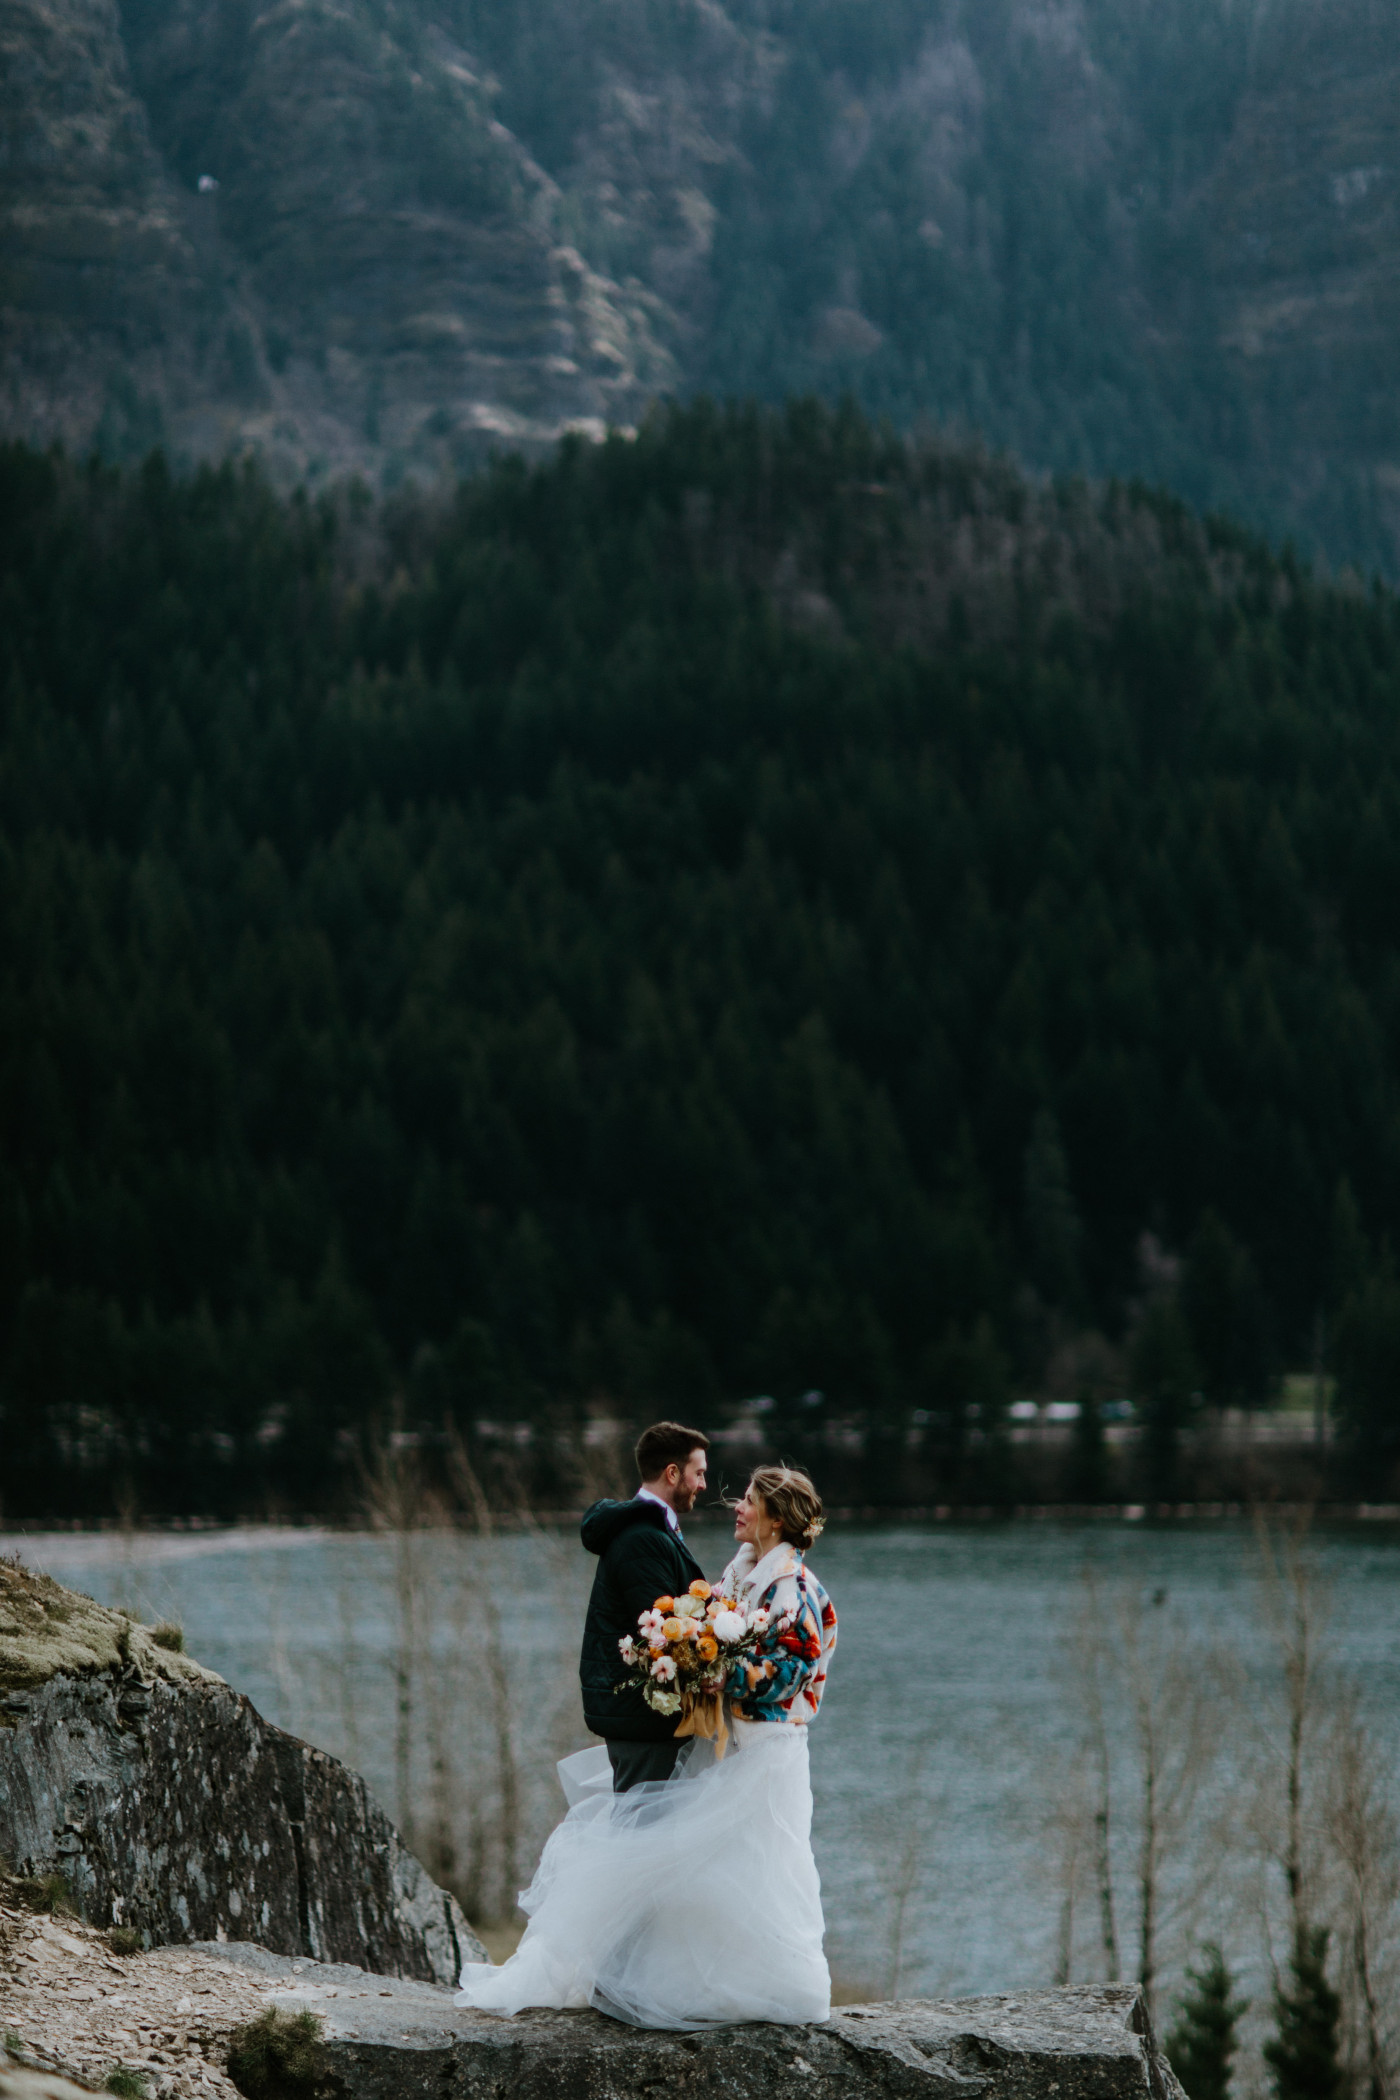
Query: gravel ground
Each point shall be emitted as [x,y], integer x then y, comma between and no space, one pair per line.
[69,2005]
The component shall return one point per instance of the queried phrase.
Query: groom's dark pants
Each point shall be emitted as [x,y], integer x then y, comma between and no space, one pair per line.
[634,1762]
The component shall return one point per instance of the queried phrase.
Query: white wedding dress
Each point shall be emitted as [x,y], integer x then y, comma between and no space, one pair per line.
[688,1902]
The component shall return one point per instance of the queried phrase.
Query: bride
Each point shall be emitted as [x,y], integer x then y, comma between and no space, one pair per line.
[694,1901]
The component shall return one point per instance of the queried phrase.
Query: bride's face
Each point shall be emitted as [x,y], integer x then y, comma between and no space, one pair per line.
[752,1524]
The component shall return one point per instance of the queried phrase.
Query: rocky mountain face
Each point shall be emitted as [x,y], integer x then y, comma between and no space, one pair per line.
[379,234]
[373,279]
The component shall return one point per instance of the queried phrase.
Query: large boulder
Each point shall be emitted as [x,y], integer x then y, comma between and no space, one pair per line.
[406,2041]
[169,1804]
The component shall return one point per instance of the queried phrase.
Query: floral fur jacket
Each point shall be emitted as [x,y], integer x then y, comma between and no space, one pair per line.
[786,1676]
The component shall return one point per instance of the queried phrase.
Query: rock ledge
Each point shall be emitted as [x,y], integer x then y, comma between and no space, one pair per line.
[406,2041]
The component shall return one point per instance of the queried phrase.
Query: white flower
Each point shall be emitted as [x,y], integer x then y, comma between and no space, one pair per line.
[663,1668]
[759,1621]
[665,1702]
[627,1648]
[690,1607]
[728,1626]
[650,1623]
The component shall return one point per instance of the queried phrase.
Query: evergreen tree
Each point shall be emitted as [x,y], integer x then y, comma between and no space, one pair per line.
[966,1436]
[1053,1229]
[1367,1356]
[1304,2057]
[1349,1254]
[1226,1316]
[1163,1372]
[1203,2043]
[1087,1476]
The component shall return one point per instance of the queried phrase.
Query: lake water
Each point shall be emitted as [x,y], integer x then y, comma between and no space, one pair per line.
[948,1738]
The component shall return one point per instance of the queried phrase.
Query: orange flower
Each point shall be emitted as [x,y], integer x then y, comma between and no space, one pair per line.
[664,1604]
[700,1590]
[708,1647]
[674,1629]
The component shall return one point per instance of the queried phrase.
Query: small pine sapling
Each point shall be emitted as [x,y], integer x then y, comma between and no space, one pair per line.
[1203,2043]
[1304,2057]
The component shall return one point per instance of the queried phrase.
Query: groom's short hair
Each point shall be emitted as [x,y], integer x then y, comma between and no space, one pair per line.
[666,1444]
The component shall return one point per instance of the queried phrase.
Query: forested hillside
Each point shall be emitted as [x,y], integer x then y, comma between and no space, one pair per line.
[756,909]
[379,235]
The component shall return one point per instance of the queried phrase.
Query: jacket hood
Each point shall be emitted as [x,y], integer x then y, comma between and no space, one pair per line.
[608,1520]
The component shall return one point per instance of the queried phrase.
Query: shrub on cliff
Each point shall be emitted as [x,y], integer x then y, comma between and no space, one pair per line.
[277,2056]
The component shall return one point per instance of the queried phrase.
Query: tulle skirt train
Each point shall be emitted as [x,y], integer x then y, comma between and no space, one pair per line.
[692,1902]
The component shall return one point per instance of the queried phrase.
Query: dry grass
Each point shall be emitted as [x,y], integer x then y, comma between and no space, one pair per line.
[46,1630]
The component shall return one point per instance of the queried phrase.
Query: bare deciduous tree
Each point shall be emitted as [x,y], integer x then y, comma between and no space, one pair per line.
[1175,1690]
[1147,1694]
[919,1816]
[1289,1722]
[394,1501]
[1361,1829]
[1082,1811]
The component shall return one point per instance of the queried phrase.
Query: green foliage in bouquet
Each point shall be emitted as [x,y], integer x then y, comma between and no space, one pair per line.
[685,1648]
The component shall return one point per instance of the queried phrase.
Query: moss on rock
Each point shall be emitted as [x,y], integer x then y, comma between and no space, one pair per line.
[47,1631]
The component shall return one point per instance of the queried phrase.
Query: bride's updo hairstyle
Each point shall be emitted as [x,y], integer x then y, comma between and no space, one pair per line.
[791,1501]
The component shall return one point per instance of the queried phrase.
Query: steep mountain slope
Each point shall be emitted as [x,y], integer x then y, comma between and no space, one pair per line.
[98,269]
[1300,226]
[305,234]
[1117,238]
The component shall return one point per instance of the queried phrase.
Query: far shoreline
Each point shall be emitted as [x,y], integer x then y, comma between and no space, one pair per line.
[306,1528]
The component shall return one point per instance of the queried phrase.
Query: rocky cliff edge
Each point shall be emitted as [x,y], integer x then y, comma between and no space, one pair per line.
[407,2041]
[173,2017]
[168,1803]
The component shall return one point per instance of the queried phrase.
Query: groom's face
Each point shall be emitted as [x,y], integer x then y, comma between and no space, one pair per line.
[690,1482]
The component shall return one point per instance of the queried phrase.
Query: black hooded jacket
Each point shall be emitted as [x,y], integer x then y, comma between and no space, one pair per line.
[640,1558]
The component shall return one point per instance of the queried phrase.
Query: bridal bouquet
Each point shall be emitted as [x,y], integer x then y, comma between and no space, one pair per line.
[683,1651]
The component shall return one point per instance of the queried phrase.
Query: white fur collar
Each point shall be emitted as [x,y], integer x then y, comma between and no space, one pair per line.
[747,1572]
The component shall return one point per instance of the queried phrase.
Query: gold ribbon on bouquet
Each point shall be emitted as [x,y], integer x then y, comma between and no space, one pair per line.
[702,1715]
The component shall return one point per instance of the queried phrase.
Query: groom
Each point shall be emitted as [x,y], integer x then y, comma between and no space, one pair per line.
[641,1556]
